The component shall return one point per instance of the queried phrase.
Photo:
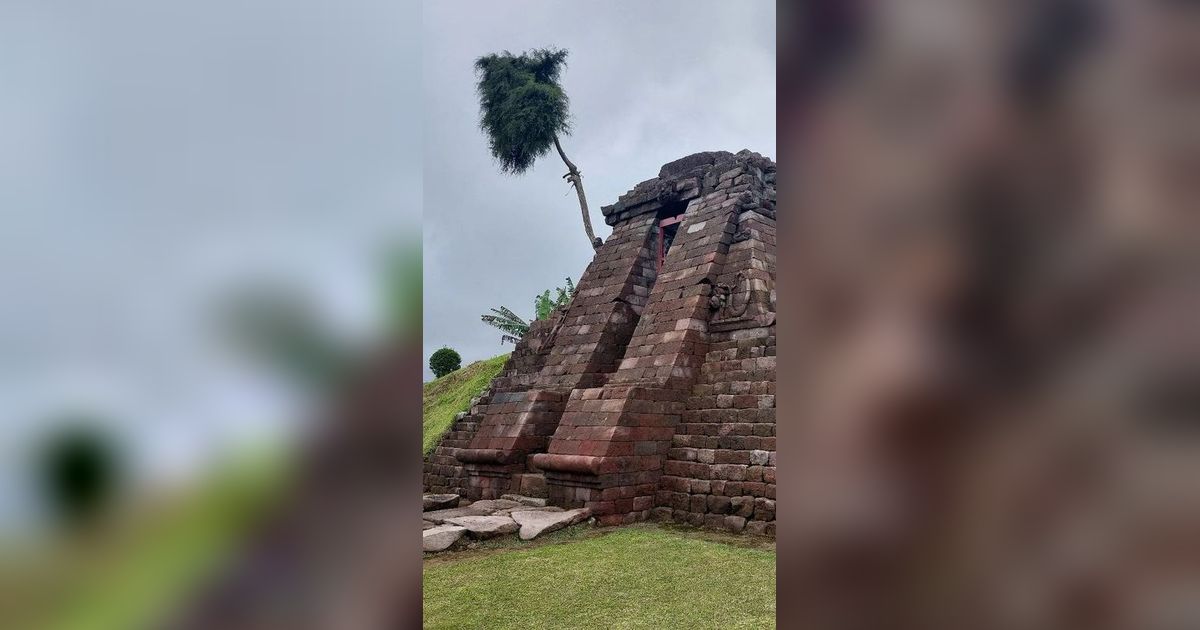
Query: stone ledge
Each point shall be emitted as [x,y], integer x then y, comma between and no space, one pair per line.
[579,464]
[485,456]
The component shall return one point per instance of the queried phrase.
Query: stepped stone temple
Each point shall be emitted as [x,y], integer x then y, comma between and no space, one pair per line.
[651,395]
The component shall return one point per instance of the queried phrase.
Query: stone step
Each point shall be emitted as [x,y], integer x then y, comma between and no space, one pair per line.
[524,500]
[441,537]
[441,516]
[536,523]
[509,511]
[439,502]
[748,364]
[491,505]
[485,526]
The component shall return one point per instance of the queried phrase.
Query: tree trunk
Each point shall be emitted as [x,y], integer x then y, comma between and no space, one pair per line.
[576,178]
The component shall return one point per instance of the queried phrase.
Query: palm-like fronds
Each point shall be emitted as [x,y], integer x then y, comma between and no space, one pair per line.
[513,326]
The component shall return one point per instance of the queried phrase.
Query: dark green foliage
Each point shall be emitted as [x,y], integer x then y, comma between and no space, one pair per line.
[515,327]
[444,361]
[402,287]
[78,471]
[523,109]
[522,106]
[283,329]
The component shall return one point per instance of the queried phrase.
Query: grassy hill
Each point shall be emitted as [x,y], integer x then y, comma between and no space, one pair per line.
[442,398]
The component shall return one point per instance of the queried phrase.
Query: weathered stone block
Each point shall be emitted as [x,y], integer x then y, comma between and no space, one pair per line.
[441,537]
[535,523]
[439,501]
[719,505]
[742,506]
[485,526]
[524,500]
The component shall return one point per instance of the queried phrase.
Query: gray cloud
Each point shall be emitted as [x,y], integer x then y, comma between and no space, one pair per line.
[154,154]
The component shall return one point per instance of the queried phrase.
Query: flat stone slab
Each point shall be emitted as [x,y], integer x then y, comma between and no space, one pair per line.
[441,537]
[427,525]
[491,505]
[509,511]
[486,526]
[534,523]
[440,516]
[438,501]
[524,500]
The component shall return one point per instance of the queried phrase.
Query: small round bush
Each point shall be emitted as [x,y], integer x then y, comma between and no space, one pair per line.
[444,361]
[79,469]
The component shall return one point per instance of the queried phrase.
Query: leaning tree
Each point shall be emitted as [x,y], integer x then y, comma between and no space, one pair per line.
[523,110]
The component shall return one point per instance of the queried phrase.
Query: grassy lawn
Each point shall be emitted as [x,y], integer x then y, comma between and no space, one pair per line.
[442,398]
[641,576]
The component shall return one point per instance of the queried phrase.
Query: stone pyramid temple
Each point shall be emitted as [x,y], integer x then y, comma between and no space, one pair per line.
[651,395]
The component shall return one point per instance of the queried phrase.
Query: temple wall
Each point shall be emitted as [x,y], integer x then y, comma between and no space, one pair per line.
[652,393]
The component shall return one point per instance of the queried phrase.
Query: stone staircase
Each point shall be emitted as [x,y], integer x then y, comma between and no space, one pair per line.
[443,472]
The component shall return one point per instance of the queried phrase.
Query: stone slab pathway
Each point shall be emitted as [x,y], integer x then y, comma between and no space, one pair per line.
[448,518]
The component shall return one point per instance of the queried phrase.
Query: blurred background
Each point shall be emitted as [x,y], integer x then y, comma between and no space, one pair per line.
[210,219]
[989,362]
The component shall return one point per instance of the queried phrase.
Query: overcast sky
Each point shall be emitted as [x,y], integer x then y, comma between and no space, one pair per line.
[153,155]
[649,82]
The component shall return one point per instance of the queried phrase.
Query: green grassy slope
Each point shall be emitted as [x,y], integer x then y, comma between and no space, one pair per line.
[639,576]
[442,398]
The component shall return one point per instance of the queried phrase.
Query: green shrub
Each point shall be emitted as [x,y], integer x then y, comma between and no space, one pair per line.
[80,465]
[444,361]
